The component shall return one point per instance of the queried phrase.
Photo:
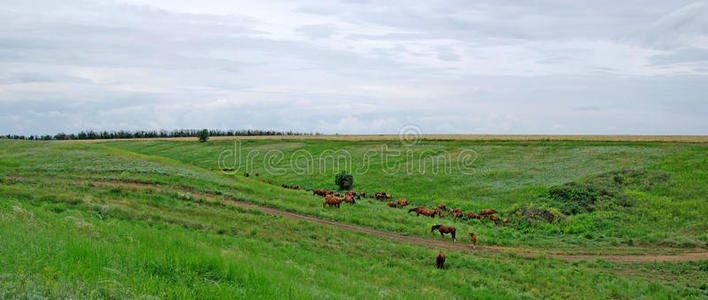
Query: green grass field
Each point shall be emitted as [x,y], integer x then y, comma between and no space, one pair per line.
[129,219]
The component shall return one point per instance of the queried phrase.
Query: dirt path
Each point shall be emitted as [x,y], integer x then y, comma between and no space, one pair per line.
[688,256]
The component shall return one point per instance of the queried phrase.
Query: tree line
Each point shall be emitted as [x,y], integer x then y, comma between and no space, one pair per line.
[139,134]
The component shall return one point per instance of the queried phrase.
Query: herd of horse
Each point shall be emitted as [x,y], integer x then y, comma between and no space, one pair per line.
[335,199]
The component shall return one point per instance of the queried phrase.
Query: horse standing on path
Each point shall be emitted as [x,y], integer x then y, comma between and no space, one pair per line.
[443,230]
[473,238]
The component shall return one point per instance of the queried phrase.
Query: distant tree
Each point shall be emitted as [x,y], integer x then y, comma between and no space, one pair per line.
[203,135]
[344,180]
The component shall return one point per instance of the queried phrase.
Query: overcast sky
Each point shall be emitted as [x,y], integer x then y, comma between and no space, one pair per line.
[578,67]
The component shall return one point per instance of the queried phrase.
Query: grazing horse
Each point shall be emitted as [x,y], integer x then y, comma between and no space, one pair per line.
[440,261]
[455,212]
[417,209]
[401,202]
[473,238]
[294,187]
[363,194]
[427,212]
[420,210]
[337,194]
[439,212]
[505,221]
[349,199]
[391,204]
[388,196]
[442,206]
[285,186]
[331,201]
[380,196]
[488,212]
[443,230]
[494,218]
[258,174]
[352,194]
[472,215]
[319,192]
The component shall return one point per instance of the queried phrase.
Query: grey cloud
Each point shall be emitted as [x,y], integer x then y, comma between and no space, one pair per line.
[364,67]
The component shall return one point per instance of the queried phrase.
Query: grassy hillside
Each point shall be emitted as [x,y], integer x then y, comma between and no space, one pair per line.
[505,175]
[90,220]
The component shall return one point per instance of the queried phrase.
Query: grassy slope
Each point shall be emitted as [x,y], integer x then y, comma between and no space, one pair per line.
[61,236]
[504,174]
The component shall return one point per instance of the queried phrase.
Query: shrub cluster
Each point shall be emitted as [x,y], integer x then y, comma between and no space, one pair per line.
[344,180]
[602,192]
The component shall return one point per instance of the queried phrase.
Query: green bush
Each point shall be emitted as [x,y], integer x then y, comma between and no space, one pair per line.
[344,180]
[203,135]
[534,213]
[605,191]
[574,198]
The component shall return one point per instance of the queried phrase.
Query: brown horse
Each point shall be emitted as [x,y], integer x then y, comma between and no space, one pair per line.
[440,260]
[420,210]
[488,212]
[505,221]
[352,194]
[442,206]
[439,212]
[472,215]
[392,204]
[457,213]
[363,194]
[443,230]
[331,201]
[473,238]
[401,202]
[417,209]
[427,212]
[494,218]
[349,199]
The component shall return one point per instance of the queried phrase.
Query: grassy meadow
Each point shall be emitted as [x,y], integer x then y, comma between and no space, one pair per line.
[503,175]
[140,219]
